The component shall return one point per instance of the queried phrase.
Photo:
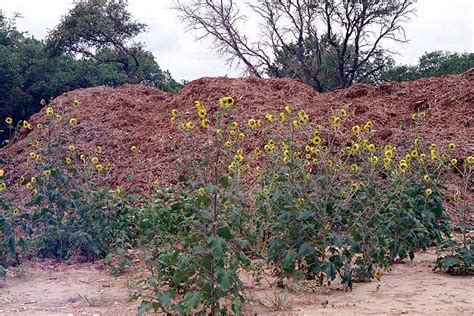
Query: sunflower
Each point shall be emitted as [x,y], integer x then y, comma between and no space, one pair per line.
[3,186]
[99,167]
[49,111]
[227,102]
[75,103]
[282,116]
[72,121]
[47,173]
[239,158]
[426,178]
[428,192]
[252,123]
[296,124]
[270,118]
[336,121]
[414,153]
[233,125]
[374,160]
[16,211]
[354,167]
[304,118]
[198,104]
[470,160]
[189,125]
[355,129]
[2,173]
[202,113]
[355,148]
[95,160]
[71,148]
[9,120]
[454,161]
[355,186]
[43,102]
[343,113]
[205,123]
[288,109]
[68,160]
[174,114]
[451,146]
[368,126]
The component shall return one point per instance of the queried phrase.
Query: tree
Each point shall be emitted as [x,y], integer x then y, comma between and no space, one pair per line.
[94,26]
[28,72]
[311,34]
[431,64]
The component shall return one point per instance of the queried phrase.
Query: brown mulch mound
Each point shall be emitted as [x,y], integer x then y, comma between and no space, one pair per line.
[118,118]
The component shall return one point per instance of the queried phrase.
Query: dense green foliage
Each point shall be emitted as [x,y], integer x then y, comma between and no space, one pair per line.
[431,64]
[28,72]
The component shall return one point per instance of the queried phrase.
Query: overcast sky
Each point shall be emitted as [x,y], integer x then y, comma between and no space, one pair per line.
[439,25]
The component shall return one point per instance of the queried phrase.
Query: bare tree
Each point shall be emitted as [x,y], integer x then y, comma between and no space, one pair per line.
[298,37]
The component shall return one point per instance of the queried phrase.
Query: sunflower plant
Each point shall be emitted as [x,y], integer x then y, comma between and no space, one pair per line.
[338,204]
[194,265]
[67,208]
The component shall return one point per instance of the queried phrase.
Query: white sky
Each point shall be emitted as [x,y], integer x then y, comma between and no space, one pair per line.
[439,25]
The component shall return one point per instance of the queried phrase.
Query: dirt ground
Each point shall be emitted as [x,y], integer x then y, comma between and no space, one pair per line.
[49,288]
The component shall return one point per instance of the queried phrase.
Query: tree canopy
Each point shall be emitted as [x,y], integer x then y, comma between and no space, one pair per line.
[431,64]
[301,38]
[94,26]
[31,70]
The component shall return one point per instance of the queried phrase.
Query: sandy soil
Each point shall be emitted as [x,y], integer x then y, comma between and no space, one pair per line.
[48,288]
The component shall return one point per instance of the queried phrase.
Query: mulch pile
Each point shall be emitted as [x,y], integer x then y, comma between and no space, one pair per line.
[118,118]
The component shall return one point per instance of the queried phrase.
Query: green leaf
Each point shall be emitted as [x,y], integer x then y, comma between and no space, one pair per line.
[225,233]
[288,263]
[224,181]
[212,188]
[144,307]
[329,270]
[450,262]
[305,250]
[225,278]
[192,300]
[218,246]
[206,262]
[165,299]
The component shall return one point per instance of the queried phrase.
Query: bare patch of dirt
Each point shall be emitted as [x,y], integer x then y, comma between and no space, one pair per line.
[51,288]
[410,288]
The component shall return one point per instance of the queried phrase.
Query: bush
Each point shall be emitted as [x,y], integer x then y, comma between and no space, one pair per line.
[69,210]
